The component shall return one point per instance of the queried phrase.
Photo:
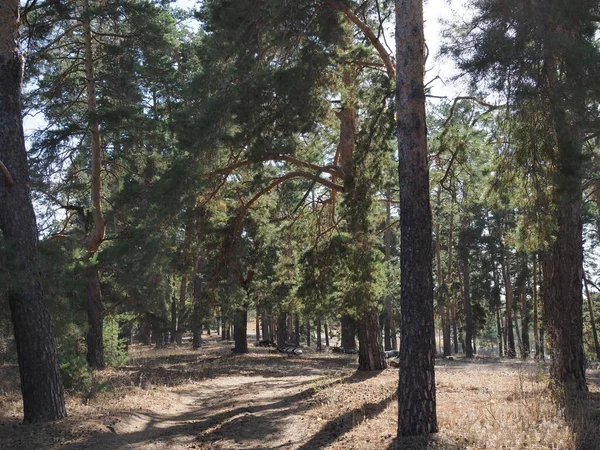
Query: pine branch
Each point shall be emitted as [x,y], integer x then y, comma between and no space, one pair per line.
[368,32]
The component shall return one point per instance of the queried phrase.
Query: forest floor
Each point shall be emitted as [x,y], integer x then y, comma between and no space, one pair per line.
[177,398]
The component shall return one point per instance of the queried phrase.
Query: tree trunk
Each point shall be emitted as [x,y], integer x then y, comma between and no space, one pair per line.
[173,331]
[468,311]
[264,324]
[240,330]
[416,389]
[454,329]
[181,309]
[319,331]
[146,331]
[197,298]
[95,344]
[326,334]
[500,333]
[370,349]
[257,323]
[564,312]
[307,330]
[511,350]
[41,383]
[536,331]
[524,325]
[348,333]
[389,330]
[592,320]
[297,329]
[282,329]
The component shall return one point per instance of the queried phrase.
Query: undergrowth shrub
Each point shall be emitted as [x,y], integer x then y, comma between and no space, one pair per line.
[115,348]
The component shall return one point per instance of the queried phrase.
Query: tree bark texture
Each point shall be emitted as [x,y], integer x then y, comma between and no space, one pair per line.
[370,354]
[41,383]
[95,332]
[416,390]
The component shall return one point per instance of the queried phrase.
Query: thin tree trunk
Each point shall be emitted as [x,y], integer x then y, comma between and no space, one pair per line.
[326,334]
[257,323]
[536,331]
[511,350]
[95,236]
[94,340]
[468,311]
[416,389]
[197,299]
[307,330]
[524,324]
[319,340]
[41,383]
[500,333]
[181,309]
[592,321]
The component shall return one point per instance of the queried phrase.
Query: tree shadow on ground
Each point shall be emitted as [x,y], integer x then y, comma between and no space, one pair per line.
[256,423]
[582,412]
[341,425]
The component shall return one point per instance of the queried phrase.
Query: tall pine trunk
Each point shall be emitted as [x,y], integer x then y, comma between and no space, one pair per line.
[416,389]
[95,345]
[41,384]
[95,236]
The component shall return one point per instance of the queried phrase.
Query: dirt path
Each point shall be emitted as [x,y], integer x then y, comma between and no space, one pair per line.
[225,413]
[179,399]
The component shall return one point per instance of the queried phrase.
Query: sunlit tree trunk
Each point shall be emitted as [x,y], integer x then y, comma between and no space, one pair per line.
[416,389]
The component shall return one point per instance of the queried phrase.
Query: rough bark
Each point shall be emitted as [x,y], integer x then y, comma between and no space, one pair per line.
[370,354]
[416,389]
[95,312]
[41,384]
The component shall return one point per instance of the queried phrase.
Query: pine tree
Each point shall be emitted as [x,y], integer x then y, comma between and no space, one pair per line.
[41,383]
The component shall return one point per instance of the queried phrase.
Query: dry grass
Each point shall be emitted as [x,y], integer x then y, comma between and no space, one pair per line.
[214,399]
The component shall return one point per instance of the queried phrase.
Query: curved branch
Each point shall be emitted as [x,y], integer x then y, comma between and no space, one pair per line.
[375,42]
[331,170]
[286,177]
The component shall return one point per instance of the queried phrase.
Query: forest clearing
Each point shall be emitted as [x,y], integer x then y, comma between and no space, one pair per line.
[177,398]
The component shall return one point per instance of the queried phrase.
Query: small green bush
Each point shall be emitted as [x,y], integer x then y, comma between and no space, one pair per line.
[115,349]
